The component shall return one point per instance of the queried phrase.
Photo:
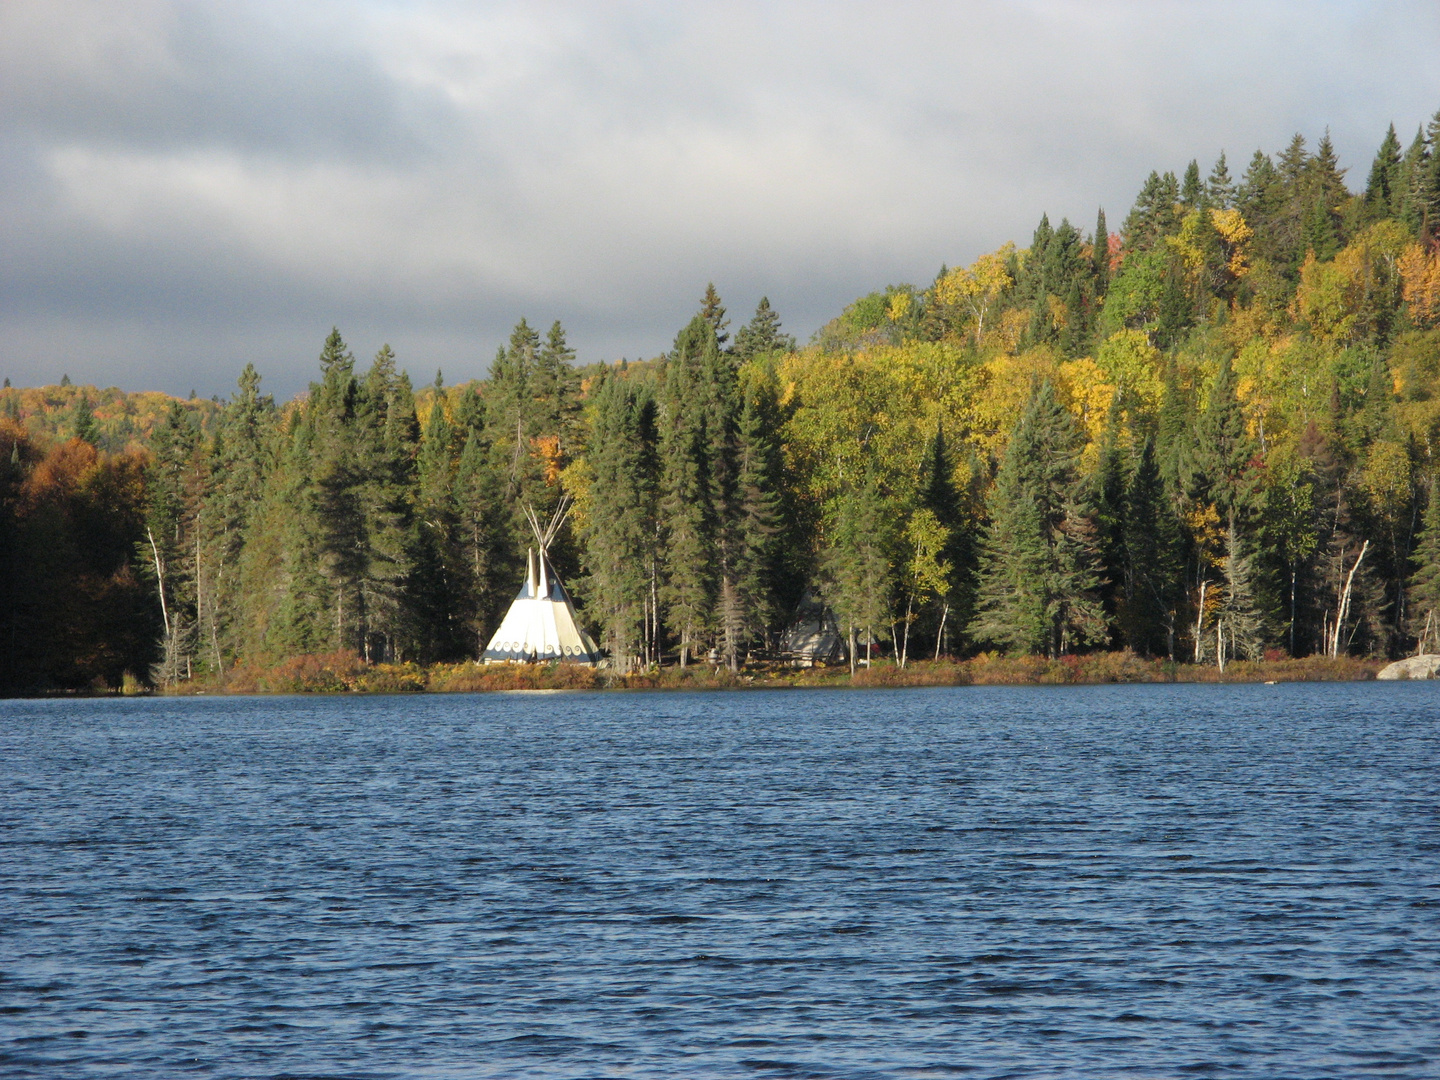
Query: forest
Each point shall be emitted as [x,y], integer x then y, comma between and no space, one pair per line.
[1207,435]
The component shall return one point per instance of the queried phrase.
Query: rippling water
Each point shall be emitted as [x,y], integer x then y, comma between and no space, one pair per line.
[1150,881]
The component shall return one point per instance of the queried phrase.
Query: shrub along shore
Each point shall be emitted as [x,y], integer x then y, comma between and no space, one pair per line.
[345,673]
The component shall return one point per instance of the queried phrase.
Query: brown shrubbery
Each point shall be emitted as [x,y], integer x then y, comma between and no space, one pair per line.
[344,672]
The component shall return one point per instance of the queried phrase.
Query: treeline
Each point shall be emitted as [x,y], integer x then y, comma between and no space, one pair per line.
[1207,435]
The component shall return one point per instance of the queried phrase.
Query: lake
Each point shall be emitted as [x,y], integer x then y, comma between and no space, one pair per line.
[1238,881]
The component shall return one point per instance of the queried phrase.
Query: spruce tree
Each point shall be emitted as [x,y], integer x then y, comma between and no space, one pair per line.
[83,424]
[1151,570]
[857,562]
[1100,254]
[620,534]
[1412,176]
[1428,187]
[1238,621]
[754,530]
[1219,188]
[1224,451]
[940,497]
[1192,190]
[686,491]
[1424,598]
[762,334]
[1038,572]
[713,312]
[385,439]
[1382,189]
[1106,504]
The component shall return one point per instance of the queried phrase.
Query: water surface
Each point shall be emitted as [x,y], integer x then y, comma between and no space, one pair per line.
[982,882]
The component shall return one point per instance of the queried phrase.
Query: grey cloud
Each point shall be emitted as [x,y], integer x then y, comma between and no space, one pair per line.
[188,185]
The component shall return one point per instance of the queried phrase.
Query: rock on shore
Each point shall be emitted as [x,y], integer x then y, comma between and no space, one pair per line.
[1414,667]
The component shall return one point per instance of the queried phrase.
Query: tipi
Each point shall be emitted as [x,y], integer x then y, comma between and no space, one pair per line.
[541,624]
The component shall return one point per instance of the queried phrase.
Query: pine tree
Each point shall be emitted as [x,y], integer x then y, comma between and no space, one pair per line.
[713,312]
[554,386]
[1382,189]
[1424,598]
[385,441]
[1106,505]
[1038,575]
[1192,190]
[84,426]
[762,334]
[168,552]
[243,458]
[1151,571]
[856,562]
[1219,188]
[1238,622]
[1428,186]
[1100,254]
[753,532]
[620,535]
[1411,197]
[686,493]
[1224,451]
[486,540]
[1154,213]
[938,495]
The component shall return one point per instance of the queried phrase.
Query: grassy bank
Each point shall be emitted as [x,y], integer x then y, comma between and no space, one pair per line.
[344,672]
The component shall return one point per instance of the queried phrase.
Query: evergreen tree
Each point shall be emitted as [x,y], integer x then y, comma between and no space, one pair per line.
[486,540]
[1424,598]
[1151,565]
[856,563]
[555,386]
[1224,451]
[1038,576]
[686,491]
[85,428]
[1100,253]
[1238,621]
[938,495]
[620,536]
[1153,214]
[1428,185]
[713,312]
[754,534]
[385,441]
[1106,505]
[1382,189]
[762,334]
[243,459]
[1192,190]
[1413,170]
[1219,188]
[168,552]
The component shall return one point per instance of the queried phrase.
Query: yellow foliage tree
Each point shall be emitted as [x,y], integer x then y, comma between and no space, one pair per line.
[1420,275]
[1129,360]
[976,289]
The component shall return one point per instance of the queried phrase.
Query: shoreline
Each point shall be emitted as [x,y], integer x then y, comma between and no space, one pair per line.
[345,673]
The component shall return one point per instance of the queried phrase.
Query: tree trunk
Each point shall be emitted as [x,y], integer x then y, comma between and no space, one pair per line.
[159,581]
[940,637]
[1200,622]
[1342,606]
[852,651]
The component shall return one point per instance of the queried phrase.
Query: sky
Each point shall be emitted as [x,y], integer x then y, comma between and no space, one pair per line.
[188,187]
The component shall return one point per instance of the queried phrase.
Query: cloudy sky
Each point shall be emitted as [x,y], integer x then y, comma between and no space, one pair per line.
[188,186]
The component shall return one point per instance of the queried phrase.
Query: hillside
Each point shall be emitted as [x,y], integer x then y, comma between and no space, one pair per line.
[1208,435]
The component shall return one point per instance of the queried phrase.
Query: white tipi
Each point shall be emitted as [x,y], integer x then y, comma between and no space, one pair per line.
[541,625]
